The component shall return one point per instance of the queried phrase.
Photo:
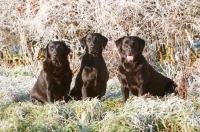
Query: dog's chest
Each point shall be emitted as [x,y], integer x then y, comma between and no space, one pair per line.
[89,73]
[130,78]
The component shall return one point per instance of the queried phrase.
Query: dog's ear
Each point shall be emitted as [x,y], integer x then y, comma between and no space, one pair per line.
[83,41]
[104,41]
[118,43]
[142,43]
[68,50]
[46,52]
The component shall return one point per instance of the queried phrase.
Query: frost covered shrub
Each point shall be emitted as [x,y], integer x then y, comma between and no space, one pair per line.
[37,22]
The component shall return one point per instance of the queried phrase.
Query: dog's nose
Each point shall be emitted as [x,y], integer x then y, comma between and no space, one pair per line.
[129,50]
[54,55]
[92,45]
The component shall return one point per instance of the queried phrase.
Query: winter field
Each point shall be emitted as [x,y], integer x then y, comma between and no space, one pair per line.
[170,28]
[169,113]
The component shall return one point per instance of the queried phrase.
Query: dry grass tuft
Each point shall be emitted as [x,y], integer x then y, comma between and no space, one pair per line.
[183,85]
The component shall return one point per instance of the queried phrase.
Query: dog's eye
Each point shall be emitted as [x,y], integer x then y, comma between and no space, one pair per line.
[58,47]
[125,44]
[89,40]
[96,39]
[51,48]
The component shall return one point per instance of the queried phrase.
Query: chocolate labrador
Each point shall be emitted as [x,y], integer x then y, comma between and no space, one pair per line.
[136,74]
[92,78]
[55,77]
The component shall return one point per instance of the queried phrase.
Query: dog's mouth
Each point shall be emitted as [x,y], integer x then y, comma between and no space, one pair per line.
[130,57]
[94,53]
[56,62]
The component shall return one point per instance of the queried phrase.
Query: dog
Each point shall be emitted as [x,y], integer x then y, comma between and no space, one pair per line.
[136,74]
[91,80]
[55,78]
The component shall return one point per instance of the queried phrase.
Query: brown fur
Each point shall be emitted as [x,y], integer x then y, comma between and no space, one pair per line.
[137,75]
[93,75]
[55,77]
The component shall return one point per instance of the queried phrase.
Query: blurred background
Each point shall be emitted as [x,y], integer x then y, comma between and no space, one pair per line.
[171,29]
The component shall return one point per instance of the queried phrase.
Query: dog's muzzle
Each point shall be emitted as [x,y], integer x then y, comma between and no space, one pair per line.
[93,52]
[130,58]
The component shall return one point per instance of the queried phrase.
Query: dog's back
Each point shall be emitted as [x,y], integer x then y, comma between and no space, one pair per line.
[159,84]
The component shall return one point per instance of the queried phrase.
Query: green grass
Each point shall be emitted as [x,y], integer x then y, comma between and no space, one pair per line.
[110,115]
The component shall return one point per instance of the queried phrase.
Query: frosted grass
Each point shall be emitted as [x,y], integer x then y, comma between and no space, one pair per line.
[109,114]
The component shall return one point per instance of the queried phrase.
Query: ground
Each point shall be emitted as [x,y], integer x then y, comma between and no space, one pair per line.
[17,113]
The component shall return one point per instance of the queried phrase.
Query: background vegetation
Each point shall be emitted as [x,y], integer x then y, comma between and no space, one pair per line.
[171,29]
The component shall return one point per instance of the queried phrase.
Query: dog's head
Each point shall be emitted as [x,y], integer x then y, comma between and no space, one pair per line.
[57,52]
[94,43]
[130,47]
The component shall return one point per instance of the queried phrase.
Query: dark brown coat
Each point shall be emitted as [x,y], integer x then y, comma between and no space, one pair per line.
[136,74]
[92,78]
[54,80]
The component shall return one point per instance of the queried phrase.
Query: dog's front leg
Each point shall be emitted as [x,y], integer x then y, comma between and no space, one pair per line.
[142,90]
[102,88]
[125,92]
[50,97]
[66,96]
[84,90]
